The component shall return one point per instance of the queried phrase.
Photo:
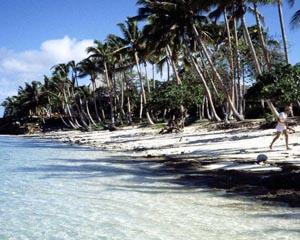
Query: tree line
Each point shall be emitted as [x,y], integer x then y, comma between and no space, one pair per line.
[216,66]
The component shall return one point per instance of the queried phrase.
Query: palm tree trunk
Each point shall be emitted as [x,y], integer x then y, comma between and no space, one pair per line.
[207,90]
[146,77]
[129,110]
[273,109]
[203,108]
[230,51]
[68,108]
[238,68]
[168,70]
[122,96]
[282,26]
[153,76]
[204,67]
[170,56]
[89,114]
[142,88]
[64,122]
[95,101]
[261,37]
[141,106]
[240,117]
[207,109]
[70,117]
[249,41]
[111,104]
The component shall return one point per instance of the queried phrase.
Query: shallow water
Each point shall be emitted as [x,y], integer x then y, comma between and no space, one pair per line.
[57,191]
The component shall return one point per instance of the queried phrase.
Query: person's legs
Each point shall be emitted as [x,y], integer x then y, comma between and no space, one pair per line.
[275,138]
[285,132]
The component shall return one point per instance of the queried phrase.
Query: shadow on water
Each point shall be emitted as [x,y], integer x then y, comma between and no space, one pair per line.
[180,175]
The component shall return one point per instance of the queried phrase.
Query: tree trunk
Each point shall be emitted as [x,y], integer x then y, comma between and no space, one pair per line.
[146,77]
[129,111]
[240,117]
[64,122]
[73,118]
[141,106]
[122,96]
[142,87]
[153,76]
[273,109]
[109,85]
[240,94]
[89,114]
[282,26]
[170,56]
[207,109]
[204,67]
[261,37]
[95,101]
[207,90]
[231,60]
[253,53]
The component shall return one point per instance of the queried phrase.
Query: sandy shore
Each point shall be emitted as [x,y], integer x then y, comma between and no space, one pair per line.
[222,158]
[235,143]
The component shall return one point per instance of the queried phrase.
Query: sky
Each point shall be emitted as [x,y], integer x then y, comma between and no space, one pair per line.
[35,34]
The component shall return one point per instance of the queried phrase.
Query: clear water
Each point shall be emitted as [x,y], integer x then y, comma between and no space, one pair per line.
[55,191]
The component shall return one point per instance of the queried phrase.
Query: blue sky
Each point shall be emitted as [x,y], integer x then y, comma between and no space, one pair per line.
[36,34]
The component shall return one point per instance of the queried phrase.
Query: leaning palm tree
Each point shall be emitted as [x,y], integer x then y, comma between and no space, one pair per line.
[183,16]
[88,68]
[133,45]
[124,65]
[102,57]
[63,83]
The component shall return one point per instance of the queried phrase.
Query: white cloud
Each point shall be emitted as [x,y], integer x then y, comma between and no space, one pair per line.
[51,52]
[19,67]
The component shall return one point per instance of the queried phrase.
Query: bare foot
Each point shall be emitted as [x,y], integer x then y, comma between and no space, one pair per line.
[271,147]
[288,148]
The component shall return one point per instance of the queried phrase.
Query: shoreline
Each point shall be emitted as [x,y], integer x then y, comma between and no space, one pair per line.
[223,159]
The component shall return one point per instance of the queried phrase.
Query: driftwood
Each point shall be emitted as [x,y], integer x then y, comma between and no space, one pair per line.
[171,127]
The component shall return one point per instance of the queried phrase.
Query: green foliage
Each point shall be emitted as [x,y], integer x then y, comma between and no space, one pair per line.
[281,84]
[269,117]
[171,96]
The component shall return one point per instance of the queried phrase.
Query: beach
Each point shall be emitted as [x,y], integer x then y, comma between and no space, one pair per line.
[238,160]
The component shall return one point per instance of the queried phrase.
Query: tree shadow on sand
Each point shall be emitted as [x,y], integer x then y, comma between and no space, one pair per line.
[178,174]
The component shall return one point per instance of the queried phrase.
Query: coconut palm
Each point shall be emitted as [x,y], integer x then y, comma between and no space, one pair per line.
[295,22]
[102,57]
[134,46]
[183,17]
[64,85]
[88,68]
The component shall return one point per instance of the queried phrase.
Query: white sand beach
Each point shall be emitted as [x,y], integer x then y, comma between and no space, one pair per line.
[238,145]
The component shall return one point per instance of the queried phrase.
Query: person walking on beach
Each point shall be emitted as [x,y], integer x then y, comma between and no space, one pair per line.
[282,127]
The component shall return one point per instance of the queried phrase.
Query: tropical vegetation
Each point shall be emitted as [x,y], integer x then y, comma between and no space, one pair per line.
[214,64]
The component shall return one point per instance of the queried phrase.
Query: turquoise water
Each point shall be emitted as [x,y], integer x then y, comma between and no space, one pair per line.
[56,191]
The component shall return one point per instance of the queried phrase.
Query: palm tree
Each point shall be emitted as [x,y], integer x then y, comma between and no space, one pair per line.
[88,68]
[183,18]
[102,57]
[282,27]
[295,22]
[63,83]
[133,45]
[124,64]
